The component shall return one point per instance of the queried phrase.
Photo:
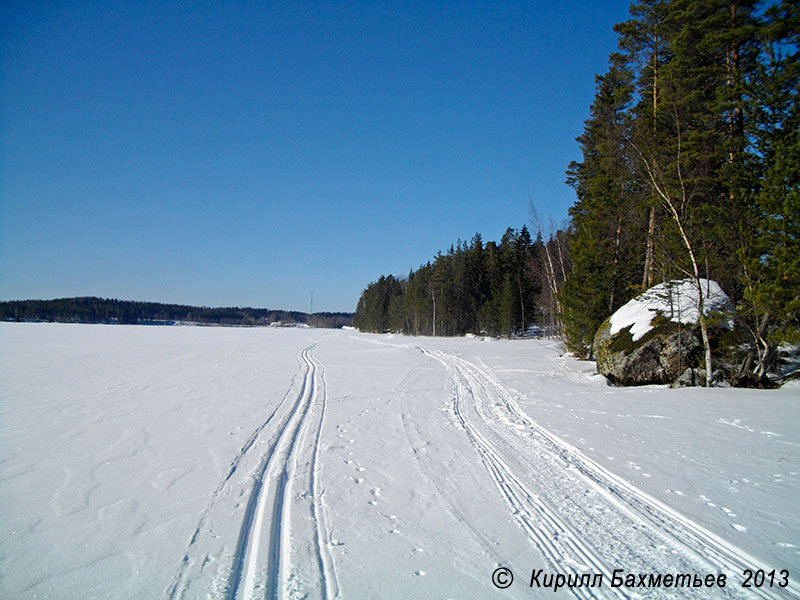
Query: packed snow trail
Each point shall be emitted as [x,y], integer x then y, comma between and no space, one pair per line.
[268,560]
[582,517]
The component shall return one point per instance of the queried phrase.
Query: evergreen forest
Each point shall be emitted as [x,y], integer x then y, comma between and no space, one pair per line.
[690,168]
[104,310]
[494,288]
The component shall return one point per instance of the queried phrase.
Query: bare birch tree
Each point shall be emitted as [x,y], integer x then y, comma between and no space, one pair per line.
[678,204]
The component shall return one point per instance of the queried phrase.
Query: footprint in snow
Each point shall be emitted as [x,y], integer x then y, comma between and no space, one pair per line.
[707,500]
[419,573]
[739,528]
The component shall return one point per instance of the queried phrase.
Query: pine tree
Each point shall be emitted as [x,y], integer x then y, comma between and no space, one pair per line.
[770,251]
[644,48]
[602,216]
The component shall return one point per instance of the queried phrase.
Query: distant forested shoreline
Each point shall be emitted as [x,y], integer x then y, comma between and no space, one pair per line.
[104,310]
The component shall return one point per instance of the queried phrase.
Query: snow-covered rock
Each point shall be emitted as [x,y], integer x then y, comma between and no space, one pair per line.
[676,300]
[654,338]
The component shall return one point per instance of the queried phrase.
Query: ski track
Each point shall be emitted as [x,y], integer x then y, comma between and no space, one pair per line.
[555,492]
[319,511]
[262,566]
[195,552]
[580,516]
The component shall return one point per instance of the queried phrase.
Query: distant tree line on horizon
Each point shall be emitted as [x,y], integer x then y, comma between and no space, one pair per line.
[102,310]
[690,170]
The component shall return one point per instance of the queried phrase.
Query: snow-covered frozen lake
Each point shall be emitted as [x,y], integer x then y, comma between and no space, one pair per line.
[193,462]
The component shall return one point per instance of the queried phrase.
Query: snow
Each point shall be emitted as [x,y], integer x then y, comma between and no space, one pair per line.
[676,300]
[183,462]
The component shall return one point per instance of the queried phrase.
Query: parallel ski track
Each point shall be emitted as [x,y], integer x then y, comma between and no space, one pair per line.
[330,584]
[191,557]
[542,525]
[263,553]
[262,556]
[558,541]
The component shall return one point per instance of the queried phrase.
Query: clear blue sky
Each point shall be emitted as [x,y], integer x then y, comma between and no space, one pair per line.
[249,153]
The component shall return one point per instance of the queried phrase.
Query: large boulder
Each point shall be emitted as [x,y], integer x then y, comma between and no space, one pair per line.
[655,338]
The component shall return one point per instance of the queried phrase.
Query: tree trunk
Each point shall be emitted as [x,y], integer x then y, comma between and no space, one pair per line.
[735,120]
[767,352]
[655,84]
[706,346]
[561,259]
[433,295]
[616,264]
[551,274]
[647,276]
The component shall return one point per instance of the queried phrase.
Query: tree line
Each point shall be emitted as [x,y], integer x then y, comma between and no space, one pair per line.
[476,287]
[690,169]
[102,310]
